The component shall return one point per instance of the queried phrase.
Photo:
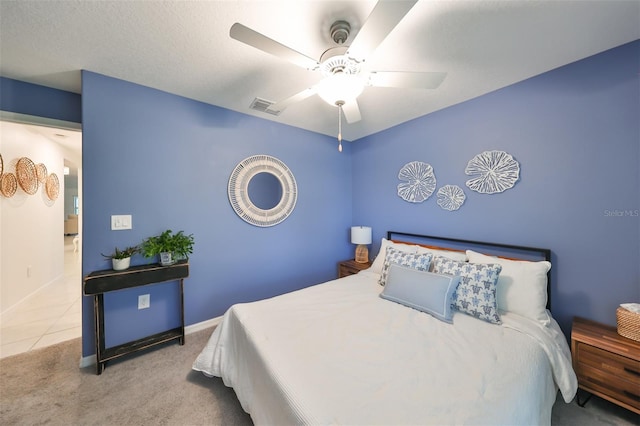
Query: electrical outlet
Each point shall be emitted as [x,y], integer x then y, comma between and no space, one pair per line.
[144,301]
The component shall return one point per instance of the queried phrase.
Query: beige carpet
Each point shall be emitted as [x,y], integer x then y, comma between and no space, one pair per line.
[159,388]
[153,388]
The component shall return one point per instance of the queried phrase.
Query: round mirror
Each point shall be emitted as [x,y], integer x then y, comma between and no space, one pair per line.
[265,190]
[262,190]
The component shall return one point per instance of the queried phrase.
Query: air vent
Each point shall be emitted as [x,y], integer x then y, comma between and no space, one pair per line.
[263,105]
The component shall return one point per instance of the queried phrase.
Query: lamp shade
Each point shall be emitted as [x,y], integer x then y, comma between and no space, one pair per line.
[361,235]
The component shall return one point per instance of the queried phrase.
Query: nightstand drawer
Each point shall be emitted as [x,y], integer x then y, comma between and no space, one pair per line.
[604,383]
[607,363]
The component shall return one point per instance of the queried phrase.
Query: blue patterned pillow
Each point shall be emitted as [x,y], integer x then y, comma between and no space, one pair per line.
[476,293]
[421,262]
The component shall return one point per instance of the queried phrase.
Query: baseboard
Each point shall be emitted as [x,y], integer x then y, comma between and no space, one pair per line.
[193,328]
[33,293]
[87,361]
[90,360]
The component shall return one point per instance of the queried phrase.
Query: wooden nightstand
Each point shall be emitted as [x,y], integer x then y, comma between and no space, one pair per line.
[607,364]
[350,267]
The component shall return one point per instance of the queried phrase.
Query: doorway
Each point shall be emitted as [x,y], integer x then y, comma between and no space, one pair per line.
[41,279]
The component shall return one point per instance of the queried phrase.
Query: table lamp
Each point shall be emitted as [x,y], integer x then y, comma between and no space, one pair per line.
[361,235]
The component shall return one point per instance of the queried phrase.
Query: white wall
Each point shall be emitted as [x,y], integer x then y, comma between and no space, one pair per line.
[31,226]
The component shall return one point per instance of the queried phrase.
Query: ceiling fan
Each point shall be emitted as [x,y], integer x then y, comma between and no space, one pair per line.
[345,75]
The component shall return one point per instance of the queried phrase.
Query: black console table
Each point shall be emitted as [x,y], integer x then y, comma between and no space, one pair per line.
[99,282]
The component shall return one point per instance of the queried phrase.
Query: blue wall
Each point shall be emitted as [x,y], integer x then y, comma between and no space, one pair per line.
[575,132]
[166,160]
[25,98]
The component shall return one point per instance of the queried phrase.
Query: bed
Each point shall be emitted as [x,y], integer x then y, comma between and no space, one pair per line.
[371,348]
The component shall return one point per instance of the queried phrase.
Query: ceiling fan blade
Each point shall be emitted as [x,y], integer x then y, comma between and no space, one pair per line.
[409,80]
[255,39]
[351,111]
[383,19]
[281,105]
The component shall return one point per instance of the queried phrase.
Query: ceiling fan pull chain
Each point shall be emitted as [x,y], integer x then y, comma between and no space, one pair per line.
[339,125]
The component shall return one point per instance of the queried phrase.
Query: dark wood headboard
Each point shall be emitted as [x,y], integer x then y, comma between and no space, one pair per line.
[508,251]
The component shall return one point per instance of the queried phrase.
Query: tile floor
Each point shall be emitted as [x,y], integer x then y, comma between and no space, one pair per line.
[50,316]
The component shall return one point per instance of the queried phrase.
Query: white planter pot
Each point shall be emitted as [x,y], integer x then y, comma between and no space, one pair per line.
[121,264]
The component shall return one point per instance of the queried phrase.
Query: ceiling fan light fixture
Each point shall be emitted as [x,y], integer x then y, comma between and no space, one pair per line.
[340,87]
[341,64]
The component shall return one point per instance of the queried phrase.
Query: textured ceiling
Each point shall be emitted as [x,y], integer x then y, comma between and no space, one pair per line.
[183,47]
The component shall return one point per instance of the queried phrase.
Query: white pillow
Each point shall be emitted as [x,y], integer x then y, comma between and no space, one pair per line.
[522,285]
[460,256]
[377,264]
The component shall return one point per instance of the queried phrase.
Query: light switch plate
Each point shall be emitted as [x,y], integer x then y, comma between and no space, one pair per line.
[120,222]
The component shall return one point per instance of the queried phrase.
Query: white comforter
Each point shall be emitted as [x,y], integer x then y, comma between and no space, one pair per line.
[337,353]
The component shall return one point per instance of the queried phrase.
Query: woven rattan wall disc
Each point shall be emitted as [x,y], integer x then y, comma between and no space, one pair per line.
[27,176]
[52,186]
[238,190]
[8,184]
[41,172]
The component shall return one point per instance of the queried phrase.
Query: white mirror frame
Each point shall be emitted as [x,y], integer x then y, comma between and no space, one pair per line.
[239,190]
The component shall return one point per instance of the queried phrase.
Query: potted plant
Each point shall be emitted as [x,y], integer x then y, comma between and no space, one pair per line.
[121,259]
[170,246]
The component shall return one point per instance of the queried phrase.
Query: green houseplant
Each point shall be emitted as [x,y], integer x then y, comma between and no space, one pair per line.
[170,246]
[121,259]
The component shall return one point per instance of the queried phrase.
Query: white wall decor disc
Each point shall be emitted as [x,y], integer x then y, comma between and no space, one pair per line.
[492,172]
[238,190]
[450,197]
[419,182]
